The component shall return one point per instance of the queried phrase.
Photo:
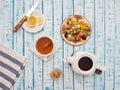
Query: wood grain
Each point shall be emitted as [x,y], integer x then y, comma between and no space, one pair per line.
[7,23]
[18,39]
[58,57]
[104,16]
[28,42]
[117,46]
[109,44]
[99,41]
[38,63]
[79,79]
[90,45]
[68,49]
[48,66]
[1,20]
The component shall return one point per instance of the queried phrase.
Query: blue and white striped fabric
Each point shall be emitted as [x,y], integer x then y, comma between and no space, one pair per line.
[11,64]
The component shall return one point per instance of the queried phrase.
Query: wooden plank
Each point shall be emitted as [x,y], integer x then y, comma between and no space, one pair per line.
[37,61]
[89,46]
[78,79]
[48,66]
[68,49]
[58,58]
[1,20]
[99,41]
[109,44]
[18,39]
[6,23]
[29,70]
[79,7]
[117,46]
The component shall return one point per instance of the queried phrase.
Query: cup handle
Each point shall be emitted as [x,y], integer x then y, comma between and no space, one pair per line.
[99,69]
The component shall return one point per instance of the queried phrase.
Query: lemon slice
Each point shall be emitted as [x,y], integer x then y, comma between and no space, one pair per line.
[40,20]
[32,21]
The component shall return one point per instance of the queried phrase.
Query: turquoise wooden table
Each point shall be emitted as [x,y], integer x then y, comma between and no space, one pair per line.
[104,15]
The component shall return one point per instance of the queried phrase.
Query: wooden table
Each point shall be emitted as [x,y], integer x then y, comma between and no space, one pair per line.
[104,15]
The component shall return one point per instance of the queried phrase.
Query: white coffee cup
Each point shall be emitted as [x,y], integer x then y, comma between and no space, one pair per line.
[44,55]
[95,66]
[77,56]
[34,48]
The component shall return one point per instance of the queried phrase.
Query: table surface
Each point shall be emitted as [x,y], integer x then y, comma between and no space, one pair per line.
[104,16]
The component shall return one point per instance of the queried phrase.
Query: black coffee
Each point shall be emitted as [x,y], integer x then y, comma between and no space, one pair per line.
[85,63]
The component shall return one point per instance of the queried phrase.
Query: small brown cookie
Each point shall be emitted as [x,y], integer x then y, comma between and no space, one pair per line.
[55,74]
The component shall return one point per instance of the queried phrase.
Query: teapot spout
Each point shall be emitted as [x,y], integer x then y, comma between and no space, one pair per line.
[69,60]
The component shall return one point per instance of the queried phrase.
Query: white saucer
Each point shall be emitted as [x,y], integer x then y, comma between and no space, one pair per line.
[36,28]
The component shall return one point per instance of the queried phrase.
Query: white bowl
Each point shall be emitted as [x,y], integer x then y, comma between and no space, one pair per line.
[70,42]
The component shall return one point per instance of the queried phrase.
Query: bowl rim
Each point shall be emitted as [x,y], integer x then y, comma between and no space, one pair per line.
[72,43]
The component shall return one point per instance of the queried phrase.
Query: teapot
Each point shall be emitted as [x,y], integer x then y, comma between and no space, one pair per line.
[84,63]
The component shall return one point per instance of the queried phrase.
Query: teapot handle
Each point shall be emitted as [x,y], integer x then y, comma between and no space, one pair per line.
[68,59]
[99,69]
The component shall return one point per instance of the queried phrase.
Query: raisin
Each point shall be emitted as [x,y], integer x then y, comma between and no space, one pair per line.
[83,37]
[66,35]
[68,22]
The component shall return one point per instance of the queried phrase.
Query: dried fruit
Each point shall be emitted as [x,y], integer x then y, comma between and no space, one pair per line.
[64,28]
[83,37]
[55,74]
[68,31]
[74,32]
[77,29]
[72,38]
[83,22]
[78,17]
[66,35]
[76,38]
[83,27]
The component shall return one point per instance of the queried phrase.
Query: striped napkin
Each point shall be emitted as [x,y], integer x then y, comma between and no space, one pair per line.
[11,64]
